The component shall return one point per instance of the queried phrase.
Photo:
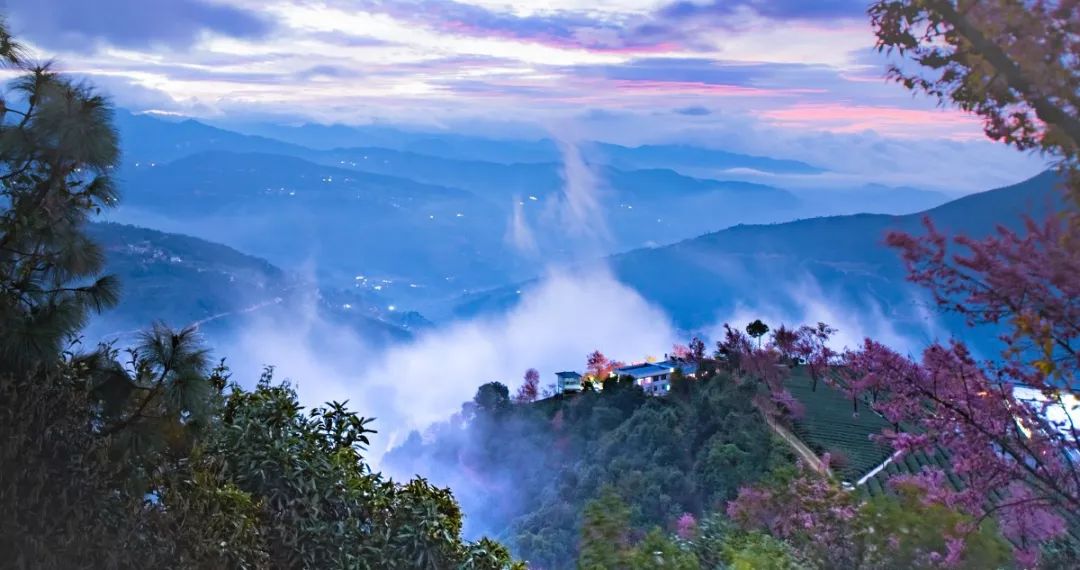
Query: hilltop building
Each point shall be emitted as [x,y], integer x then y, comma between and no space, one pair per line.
[568,382]
[653,377]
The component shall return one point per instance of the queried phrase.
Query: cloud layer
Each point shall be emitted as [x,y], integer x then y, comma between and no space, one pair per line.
[358,61]
[134,24]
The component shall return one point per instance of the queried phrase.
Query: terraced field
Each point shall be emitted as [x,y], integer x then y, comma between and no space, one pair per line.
[910,463]
[832,425]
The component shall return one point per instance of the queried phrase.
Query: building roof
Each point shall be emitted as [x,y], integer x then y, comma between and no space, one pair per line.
[643,370]
[687,367]
[568,374]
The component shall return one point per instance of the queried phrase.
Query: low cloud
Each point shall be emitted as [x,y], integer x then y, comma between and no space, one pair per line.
[412,385]
[519,233]
[854,320]
[581,206]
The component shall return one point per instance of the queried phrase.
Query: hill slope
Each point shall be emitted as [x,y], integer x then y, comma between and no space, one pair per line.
[183,280]
[829,267]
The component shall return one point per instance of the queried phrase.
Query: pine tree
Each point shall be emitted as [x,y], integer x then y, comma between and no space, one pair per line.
[57,150]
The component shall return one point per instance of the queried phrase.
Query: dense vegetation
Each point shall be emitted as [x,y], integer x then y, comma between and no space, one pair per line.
[152,457]
[530,468]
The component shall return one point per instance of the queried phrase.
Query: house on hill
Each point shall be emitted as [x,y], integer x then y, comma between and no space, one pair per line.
[567,382]
[655,377]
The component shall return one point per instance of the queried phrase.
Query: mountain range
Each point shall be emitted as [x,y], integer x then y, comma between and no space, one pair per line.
[833,266]
[427,217]
[182,280]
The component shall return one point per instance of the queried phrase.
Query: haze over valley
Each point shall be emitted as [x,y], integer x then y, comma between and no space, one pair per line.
[445,265]
[523,285]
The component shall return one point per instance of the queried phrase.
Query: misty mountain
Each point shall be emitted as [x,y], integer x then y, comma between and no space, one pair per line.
[425,240]
[792,270]
[442,144]
[869,199]
[685,156]
[400,234]
[148,139]
[216,179]
[503,181]
[183,280]
[419,229]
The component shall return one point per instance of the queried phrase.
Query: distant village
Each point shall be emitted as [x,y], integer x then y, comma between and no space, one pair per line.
[653,377]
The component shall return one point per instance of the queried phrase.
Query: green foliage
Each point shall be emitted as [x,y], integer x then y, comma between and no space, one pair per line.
[492,398]
[757,329]
[658,550]
[605,533]
[902,530]
[1061,554]
[759,551]
[533,468]
[153,459]
[57,147]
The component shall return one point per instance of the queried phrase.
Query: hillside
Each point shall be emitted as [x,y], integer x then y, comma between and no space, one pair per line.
[525,472]
[430,217]
[148,139]
[183,280]
[787,269]
[292,211]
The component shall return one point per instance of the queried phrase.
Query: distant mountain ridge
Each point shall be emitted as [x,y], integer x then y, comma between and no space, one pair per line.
[149,138]
[439,216]
[182,280]
[783,267]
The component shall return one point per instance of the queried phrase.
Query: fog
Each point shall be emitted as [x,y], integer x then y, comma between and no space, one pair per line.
[412,384]
[807,303]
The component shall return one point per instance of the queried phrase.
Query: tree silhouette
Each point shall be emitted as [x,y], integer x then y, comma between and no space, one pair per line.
[1012,62]
[530,388]
[57,149]
[757,329]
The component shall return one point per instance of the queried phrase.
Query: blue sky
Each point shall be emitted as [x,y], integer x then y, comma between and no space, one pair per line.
[631,69]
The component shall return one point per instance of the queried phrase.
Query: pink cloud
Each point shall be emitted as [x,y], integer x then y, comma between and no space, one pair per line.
[846,118]
[700,88]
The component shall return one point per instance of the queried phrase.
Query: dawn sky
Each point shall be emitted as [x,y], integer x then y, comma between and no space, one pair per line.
[789,63]
[755,71]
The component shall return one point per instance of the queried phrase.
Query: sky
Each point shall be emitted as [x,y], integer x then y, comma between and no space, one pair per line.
[759,74]
[787,63]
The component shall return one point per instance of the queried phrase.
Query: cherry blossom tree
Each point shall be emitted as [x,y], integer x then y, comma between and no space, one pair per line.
[1017,459]
[808,510]
[811,347]
[1015,63]
[530,388]
[784,340]
[763,364]
[599,366]
[686,526]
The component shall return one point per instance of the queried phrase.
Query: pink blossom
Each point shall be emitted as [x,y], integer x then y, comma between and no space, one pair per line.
[686,526]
